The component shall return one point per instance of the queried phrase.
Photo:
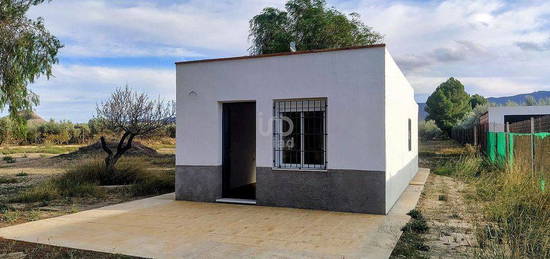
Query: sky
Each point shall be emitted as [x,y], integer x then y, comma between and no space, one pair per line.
[495,47]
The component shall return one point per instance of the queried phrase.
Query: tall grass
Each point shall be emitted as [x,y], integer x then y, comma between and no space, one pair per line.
[84,179]
[515,208]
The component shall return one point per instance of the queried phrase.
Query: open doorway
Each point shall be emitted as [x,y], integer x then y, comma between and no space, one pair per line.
[239,152]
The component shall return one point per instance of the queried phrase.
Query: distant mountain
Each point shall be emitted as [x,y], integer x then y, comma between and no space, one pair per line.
[520,98]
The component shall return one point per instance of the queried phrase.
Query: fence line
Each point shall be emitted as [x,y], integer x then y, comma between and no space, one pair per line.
[527,141]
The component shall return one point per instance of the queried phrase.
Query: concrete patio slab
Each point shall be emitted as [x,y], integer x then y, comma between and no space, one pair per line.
[161,227]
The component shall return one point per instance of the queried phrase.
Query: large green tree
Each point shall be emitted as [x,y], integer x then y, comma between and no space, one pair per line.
[476,100]
[27,51]
[310,24]
[448,104]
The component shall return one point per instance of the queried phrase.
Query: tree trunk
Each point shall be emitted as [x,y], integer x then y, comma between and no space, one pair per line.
[112,158]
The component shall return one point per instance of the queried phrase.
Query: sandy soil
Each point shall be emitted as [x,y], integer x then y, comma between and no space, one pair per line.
[451,233]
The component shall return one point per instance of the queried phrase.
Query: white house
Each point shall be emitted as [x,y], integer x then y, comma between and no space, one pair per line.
[497,117]
[328,129]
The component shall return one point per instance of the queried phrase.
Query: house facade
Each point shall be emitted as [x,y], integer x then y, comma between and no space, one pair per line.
[330,129]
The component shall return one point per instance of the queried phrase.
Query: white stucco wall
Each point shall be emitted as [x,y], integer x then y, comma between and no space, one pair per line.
[401,164]
[496,114]
[351,80]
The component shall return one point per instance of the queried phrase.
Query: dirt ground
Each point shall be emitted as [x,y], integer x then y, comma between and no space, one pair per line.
[11,249]
[30,169]
[451,233]
[448,215]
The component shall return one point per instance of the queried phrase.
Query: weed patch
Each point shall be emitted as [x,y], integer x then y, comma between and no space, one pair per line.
[412,244]
[84,179]
[22,174]
[516,211]
[8,180]
[9,159]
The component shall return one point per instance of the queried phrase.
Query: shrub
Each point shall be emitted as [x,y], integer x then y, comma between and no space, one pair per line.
[427,130]
[9,159]
[83,179]
[8,180]
[21,174]
[416,225]
[43,192]
[93,171]
[154,184]
[411,242]
[415,214]
[4,130]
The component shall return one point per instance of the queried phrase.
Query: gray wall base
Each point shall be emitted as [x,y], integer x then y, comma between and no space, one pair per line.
[335,190]
[198,183]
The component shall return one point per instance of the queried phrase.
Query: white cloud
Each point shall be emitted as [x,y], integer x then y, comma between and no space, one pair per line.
[75,90]
[482,43]
[495,47]
[103,28]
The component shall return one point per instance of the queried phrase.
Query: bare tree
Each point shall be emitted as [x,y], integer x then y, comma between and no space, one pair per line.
[131,114]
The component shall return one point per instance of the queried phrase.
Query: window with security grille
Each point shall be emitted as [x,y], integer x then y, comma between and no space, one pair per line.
[299,134]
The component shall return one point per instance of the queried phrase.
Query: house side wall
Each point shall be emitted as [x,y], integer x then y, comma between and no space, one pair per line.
[496,114]
[401,164]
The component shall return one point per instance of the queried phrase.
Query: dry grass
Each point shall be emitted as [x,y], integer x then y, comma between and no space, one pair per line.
[84,179]
[505,211]
[45,149]
[31,250]
[515,208]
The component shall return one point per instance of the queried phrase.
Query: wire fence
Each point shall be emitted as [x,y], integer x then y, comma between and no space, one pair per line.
[526,142]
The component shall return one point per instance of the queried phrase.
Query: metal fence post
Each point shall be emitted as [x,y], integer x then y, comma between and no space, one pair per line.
[508,140]
[475,136]
[533,145]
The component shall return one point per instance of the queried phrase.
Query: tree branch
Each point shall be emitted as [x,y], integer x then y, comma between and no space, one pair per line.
[105,147]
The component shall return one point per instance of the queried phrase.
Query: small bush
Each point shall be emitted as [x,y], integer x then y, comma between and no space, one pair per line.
[415,214]
[8,180]
[22,174]
[417,226]
[442,197]
[9,159]
[427,130]
[154,184]
[126,172]
[11,216]
[411,242]
[443,171]
[43,192]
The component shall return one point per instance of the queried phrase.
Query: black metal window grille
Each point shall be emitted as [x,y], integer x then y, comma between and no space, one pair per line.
[300,134]
[410,135]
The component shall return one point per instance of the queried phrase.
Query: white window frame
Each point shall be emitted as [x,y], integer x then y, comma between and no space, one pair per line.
[278,128]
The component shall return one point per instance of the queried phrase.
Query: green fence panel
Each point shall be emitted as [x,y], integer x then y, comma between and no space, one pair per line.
[491,145]
[501,146]
[496,145]
[511,148]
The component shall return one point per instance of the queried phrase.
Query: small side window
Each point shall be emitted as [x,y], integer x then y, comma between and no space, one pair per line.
[410,135]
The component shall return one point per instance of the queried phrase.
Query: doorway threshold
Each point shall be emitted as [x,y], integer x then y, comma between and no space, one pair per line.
[237,201]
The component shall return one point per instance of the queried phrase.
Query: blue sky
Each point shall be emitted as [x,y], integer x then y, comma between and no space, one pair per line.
[494,47]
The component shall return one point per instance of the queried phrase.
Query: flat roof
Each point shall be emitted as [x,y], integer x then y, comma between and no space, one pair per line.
[280,54]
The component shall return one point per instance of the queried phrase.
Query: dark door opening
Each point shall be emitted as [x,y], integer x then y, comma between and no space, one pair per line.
[239,150]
